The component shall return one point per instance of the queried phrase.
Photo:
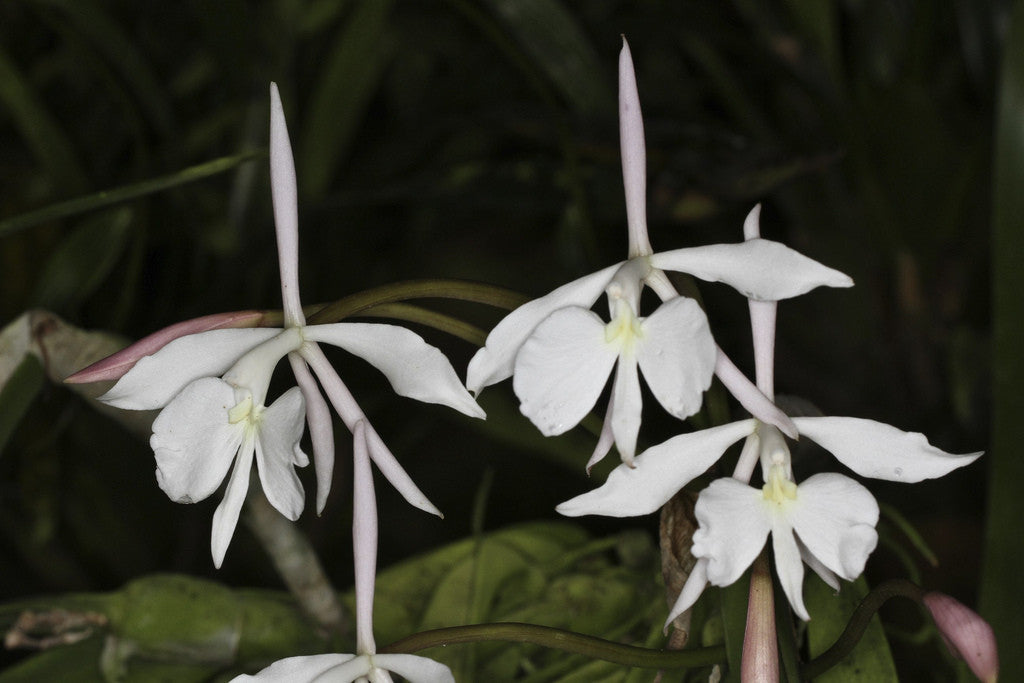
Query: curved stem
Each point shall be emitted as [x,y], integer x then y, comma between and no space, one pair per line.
[418,289]
[859,623]
[558,639]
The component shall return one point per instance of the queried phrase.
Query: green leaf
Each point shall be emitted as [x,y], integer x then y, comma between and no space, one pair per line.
[89,20]
[870,661]
[351,74]
[558,46]
[83,261]
[125,193]
[41,132]
[1002,591]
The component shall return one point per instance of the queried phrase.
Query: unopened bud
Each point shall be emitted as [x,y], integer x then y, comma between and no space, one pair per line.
[967,635]
[117,365]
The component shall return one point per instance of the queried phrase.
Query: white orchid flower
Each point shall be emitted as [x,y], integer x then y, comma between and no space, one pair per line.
[561,353]
[366,665]
[827,521]
[337,668]
[206,421]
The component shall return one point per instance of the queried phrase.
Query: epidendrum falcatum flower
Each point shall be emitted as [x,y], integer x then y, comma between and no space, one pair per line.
[213,387]
[560,353]
[827,521]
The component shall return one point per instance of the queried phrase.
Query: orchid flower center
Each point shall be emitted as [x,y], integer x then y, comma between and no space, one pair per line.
[241,411]
[779,489]
[624,328]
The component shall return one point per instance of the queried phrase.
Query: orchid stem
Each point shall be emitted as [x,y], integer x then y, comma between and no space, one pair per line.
[418,289]
[858,623]
[558,639]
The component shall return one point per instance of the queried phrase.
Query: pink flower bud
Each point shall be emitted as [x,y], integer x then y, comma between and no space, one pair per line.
[967,635]
[114,366]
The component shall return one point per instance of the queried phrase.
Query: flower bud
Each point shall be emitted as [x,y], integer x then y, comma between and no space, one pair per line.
[967,635]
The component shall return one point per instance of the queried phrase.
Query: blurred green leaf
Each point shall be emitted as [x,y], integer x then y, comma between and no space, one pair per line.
[351,74]
[559,48]
[41,132]
[16,396]
[870,661]
[125,193]
[514,574]
[83,260]
[1002,591]
[89,19]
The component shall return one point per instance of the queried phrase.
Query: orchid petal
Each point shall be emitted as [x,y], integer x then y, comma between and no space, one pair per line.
[277,449]
[293,669]
[396,474]
[750,397]
[634,155]
[561,369]
[677,355]
[658,473]
[628,407]
[321,429]
[284,195]
[225,517]
[193,441]
[494,362]
[759,269]
[350,412]
[788,565]
[156,379]
[413,367]
[607,438]
[835,518]
[734,524]
[695,584]
[880,451]
[414,669]
[823,572]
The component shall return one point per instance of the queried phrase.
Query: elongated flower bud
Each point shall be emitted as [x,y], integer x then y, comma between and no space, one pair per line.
[967,635]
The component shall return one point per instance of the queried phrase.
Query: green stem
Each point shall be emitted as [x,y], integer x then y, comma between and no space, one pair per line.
[418,289]
[859,623]
[558,639]
[422,316]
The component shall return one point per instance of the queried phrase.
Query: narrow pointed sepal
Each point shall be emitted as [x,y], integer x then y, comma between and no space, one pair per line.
[284,194]
[414,368]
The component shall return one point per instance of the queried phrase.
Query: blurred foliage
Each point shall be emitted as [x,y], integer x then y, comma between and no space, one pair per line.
[478,140]
[195,629]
